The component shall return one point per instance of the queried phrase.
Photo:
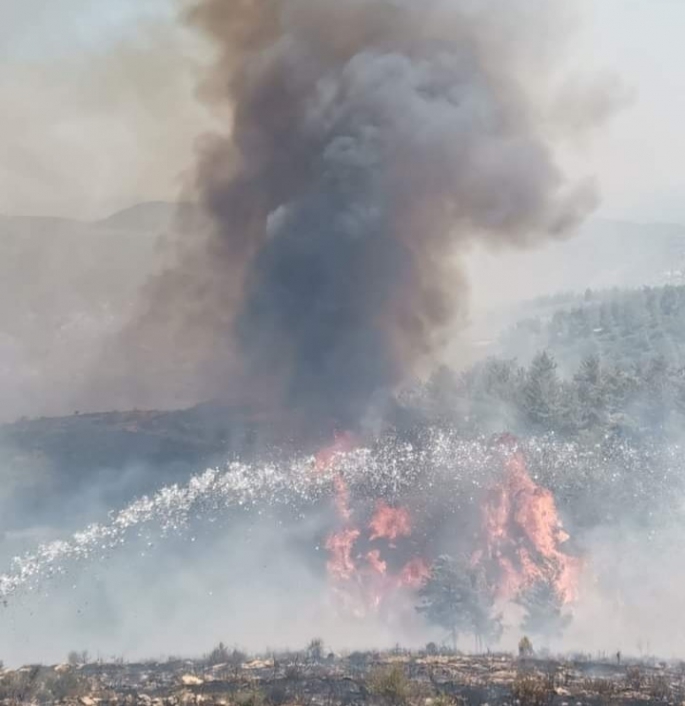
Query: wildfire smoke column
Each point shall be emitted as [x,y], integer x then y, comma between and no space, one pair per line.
[370,141]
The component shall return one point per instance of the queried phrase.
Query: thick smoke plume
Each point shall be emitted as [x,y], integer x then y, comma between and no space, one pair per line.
[369,143]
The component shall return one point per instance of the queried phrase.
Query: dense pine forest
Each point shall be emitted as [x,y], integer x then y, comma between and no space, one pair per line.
[622,327]
[606,364]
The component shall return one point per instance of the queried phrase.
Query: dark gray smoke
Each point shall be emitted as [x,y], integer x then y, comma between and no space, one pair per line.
[370,141]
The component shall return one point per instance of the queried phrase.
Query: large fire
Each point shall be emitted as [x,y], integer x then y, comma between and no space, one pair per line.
[522,536]
[358,571]
[390,522]
[520,541]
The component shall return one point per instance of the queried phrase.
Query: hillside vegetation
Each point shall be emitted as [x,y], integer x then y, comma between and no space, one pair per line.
[622,327]
[595,365]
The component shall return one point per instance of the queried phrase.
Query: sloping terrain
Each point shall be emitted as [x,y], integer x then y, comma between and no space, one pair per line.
[48,462]
[66,286]
[622,327]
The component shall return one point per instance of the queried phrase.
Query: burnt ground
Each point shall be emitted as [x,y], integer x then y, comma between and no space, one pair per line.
[387,679]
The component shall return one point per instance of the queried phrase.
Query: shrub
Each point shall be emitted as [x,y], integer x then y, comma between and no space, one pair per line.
[390,685]
[659,687]
[237,659]
[63,686]
[359,660]
[532,690]
[219,655]
[605,688]
[40,685]
[76,658]
[525,648]
[315,650]
[432,649]
[448,700]
[634,678]
[253,697]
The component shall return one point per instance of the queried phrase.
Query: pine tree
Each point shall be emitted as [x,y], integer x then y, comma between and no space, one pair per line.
[544,611]
[590,394]
[444,596]
[492,390]
[542,394]
[456,597]
[485,625]
[658,395]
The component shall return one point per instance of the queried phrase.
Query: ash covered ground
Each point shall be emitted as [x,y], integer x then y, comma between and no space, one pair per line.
[314,677]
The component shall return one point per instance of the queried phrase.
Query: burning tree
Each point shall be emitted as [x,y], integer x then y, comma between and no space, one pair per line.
[360,550]
[522,538]
[485,623]
[373,556]
[544,611]
[456,598]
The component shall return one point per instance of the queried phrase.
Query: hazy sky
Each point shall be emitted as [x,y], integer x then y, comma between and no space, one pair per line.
[97,106]
[641,159]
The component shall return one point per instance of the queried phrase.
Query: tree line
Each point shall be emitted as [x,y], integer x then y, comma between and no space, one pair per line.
[622,327]
[457,598]
[598,400]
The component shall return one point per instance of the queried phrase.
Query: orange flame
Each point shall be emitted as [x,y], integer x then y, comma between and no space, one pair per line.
[523,535]
[341,564]
[390,522]
[415,573]
[343,443]
[363,580]
[376,564]
[521,540]
[342,498]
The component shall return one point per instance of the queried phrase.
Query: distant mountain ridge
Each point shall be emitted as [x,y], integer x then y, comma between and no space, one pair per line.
[66,285]
[150,215]
[625,328]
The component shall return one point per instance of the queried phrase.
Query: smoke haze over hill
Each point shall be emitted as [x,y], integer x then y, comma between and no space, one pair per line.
[354,172]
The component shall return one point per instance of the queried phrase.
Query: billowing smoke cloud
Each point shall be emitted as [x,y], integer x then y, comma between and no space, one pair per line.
[370,142]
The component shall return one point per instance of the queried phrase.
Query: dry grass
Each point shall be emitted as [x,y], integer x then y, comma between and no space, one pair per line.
[533,690]
[604,688]
[390,685]
[42,686]
[658,687]
[634,678]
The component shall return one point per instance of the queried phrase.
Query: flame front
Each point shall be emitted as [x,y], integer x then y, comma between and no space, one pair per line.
[362,578]
[520,541]
[390,522]
[522,536]
[341,565]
